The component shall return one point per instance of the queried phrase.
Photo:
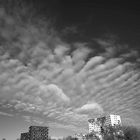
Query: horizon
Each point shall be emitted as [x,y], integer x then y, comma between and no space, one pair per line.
[62,63]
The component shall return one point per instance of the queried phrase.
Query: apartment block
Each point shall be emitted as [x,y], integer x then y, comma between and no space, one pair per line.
[35,133]
[25,136]
[96,124]
[38,133]
[113,120]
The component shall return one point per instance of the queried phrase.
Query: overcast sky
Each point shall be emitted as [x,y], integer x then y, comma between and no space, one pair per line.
[64,63]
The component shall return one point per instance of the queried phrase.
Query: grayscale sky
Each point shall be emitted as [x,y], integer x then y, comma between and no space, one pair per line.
[64,63]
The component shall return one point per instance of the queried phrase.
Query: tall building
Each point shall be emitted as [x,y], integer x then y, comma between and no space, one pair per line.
[25,136]
[101,126]
[113,120]
[38,133]
[35,133]
[96,124]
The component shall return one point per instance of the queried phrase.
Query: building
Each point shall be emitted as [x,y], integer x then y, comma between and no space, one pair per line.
[113,120]
[96,124]
[101,126]
[35,133]
[25,136]
[38,133]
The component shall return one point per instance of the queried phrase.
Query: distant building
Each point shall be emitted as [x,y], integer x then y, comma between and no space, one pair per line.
[38,133]
[25,136]
[35,133]
[96,124]
[113,120]
[101,126]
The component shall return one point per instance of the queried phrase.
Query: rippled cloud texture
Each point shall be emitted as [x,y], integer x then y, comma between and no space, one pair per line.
[49,81]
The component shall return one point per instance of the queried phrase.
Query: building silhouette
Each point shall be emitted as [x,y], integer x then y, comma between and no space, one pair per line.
[25,136]
[38,133]
[35,133]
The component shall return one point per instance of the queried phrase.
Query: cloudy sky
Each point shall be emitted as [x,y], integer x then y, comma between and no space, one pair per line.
[61,64]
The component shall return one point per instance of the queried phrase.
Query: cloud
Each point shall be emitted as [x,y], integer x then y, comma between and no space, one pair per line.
[53,89]
[31,119]
[92,109]
[65,83]
[6,114]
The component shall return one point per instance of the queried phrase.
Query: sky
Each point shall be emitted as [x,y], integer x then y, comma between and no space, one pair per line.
[64,63]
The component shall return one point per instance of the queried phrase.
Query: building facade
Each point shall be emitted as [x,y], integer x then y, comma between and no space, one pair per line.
[35,133]
[96,124]
[38,133]
[113,120]
[106,125]
[25,136]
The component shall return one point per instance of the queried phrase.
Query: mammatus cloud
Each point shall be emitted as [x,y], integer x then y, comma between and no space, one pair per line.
[65,84]
[54,90]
